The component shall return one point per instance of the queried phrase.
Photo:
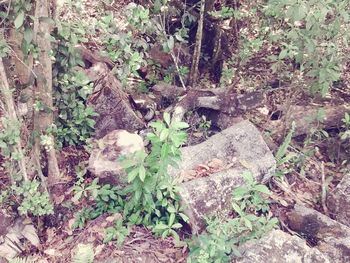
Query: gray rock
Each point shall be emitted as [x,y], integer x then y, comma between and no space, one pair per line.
[279,247]
[241,148]
[103,161]
[329,236]
[338,201]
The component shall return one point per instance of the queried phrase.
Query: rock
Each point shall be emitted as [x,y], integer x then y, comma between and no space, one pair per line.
[279,247]
[5,222]
[113,107]
[103,161]
[329,236]
[12,243]
[241,148]
[338,201]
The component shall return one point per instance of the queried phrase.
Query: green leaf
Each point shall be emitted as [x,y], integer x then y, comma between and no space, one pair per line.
[164,135]
[28,35]
[176,226]
[236,208]
[19,20]
[171,209]
[262,189]
[179,125]
[171,43]
[248,224]
[248,177]
[160,226]
[132,175]
[142,173]
[166,117]
[283,54]
[171,219]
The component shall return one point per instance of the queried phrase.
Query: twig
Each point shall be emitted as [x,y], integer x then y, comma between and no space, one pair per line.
[20,60]
[173,57]
[198,47]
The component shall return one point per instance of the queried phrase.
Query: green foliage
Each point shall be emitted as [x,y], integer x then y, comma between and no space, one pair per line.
[84,254]
[32,199]
[128,45]
[117,232]
[222,237]
[75,121]
[150,198]
[313,35]
[10,137]
[108,199]
[82,217]
[283,156]
[153,199]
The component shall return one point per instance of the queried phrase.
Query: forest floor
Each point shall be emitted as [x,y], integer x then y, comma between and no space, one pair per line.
[320,164]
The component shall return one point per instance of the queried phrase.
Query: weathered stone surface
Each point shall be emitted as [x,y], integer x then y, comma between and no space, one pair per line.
[5,222]
[241,148]
[330,237]
[279,247]
[338,201]
[113,107]
[13,242]
[103,161]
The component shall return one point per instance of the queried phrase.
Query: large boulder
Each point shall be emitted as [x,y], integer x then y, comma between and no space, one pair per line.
[338,201]
[329,236]
[239,149]
[103,162]
[279,247]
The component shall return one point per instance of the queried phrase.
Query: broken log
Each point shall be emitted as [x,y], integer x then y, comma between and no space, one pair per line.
[307,118]
[328,236]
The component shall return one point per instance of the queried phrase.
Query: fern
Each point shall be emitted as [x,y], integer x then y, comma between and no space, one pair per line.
[84,254]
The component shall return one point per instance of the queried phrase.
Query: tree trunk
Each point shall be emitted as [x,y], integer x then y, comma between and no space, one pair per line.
[43,118]
[11,114]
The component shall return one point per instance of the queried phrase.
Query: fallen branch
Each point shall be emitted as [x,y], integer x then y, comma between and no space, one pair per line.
[220,100]
[306,119]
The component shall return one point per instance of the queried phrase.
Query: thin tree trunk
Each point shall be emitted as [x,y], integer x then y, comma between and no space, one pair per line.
[198,47]
[11,114]
[43,119]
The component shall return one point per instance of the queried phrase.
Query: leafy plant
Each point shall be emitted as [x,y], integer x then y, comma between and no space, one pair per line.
[32,199]
[75,120]
[153,199]
[283,156]
[222,236]
[312,36]
[117,232]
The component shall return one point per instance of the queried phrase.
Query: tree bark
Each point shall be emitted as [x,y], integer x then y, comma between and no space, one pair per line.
[43,119]
[198,47]
[11,114]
